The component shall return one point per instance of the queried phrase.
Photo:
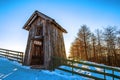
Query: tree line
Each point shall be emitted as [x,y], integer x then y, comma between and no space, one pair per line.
[102,46]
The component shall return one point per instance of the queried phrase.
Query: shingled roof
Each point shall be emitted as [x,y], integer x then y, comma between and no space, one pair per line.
[39,14]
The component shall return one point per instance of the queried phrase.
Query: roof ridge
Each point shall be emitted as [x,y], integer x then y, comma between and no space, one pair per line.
[37,13]
[44,15]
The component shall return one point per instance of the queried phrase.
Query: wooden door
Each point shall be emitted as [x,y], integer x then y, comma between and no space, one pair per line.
[37,55]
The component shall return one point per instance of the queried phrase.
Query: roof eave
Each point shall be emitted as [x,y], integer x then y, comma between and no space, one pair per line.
[59,26]
[29,21]
[35,15]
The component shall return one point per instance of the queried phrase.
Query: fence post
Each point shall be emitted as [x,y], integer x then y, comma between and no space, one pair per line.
[113,73]
[22,57]
[72,66]
[104,74]
[7,54]
[52,63]
[18,56]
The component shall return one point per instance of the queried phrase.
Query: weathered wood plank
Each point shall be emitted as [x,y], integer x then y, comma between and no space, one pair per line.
[53,43]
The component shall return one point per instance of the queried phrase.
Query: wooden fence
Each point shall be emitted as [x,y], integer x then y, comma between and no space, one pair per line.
[71,64]
[12,55]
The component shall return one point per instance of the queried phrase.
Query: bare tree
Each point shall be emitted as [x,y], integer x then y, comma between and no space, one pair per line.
[118,41]
[110,39]
[99,45]
[93,39]
[76,50]
[84,36]
[118,49]
[102,47]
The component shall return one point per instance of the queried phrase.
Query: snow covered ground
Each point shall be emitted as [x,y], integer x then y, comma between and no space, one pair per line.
[10,70]
[87,72]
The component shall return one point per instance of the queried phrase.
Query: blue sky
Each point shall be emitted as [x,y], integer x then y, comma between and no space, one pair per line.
[70,14]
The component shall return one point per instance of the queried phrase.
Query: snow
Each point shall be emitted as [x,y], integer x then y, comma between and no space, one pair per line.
[11,70]
[87,72]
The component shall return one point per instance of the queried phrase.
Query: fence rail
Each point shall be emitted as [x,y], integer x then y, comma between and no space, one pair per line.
[12,55]
[70,63]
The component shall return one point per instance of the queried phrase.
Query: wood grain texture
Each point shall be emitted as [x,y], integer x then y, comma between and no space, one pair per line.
[52,41]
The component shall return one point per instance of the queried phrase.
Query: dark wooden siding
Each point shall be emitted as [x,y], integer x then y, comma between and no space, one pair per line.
[53,42]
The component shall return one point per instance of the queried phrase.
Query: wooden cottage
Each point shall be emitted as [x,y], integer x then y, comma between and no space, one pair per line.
[44,41]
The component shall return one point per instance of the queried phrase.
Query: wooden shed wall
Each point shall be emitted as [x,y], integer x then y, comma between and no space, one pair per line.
[30,43]
[53,42]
